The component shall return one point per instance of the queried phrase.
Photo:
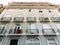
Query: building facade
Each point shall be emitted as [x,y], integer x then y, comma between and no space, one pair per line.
[30,23]
[1,8]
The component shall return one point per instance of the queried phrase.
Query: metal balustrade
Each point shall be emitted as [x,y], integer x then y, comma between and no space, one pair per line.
[6,19]
[44,19]
[19,19]
[55,19]
[31,19]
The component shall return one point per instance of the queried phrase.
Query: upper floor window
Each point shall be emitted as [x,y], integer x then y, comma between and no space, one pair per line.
[32,28]
[46,26]
[33,41]
[46,29]
[14,42]
[52,42]
[2,27]
[16,29]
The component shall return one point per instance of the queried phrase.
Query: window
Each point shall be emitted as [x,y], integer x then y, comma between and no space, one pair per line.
[14,42]
[52,42]
[33,41]
[2,27]
[16,29]
[46,26]
[46,29]
[33,44]
[32,26]
[32,29]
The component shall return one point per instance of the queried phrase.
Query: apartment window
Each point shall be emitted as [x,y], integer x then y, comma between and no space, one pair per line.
[17,29]
[52,42]
[47,29]
[33,41]
[46,26]
[32,28]
[14,42]
[2,27]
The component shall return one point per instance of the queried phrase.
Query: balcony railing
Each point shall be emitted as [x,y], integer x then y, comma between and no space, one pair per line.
[19,19]
[44,19]
[48,31]
[31,19]
[55,19]
[5,19]
[32,31]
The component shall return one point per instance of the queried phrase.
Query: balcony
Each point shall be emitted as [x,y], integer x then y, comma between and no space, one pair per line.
[18,19]
[48,31]
[32,31]
[44,19]
[55,19]
[5,19]
[31,19]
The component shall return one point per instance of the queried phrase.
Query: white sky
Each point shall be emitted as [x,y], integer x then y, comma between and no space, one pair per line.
[51,1]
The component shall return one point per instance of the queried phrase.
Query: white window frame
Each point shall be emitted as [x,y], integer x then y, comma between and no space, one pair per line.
[52,38]
[31,42]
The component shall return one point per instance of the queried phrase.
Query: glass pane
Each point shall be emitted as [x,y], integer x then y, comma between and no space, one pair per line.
[53,44]
[52,41]
[46,26]
[33,44]
[48,31]
[31,26]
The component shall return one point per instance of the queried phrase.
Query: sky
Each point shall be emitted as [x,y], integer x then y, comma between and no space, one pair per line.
[5,2]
